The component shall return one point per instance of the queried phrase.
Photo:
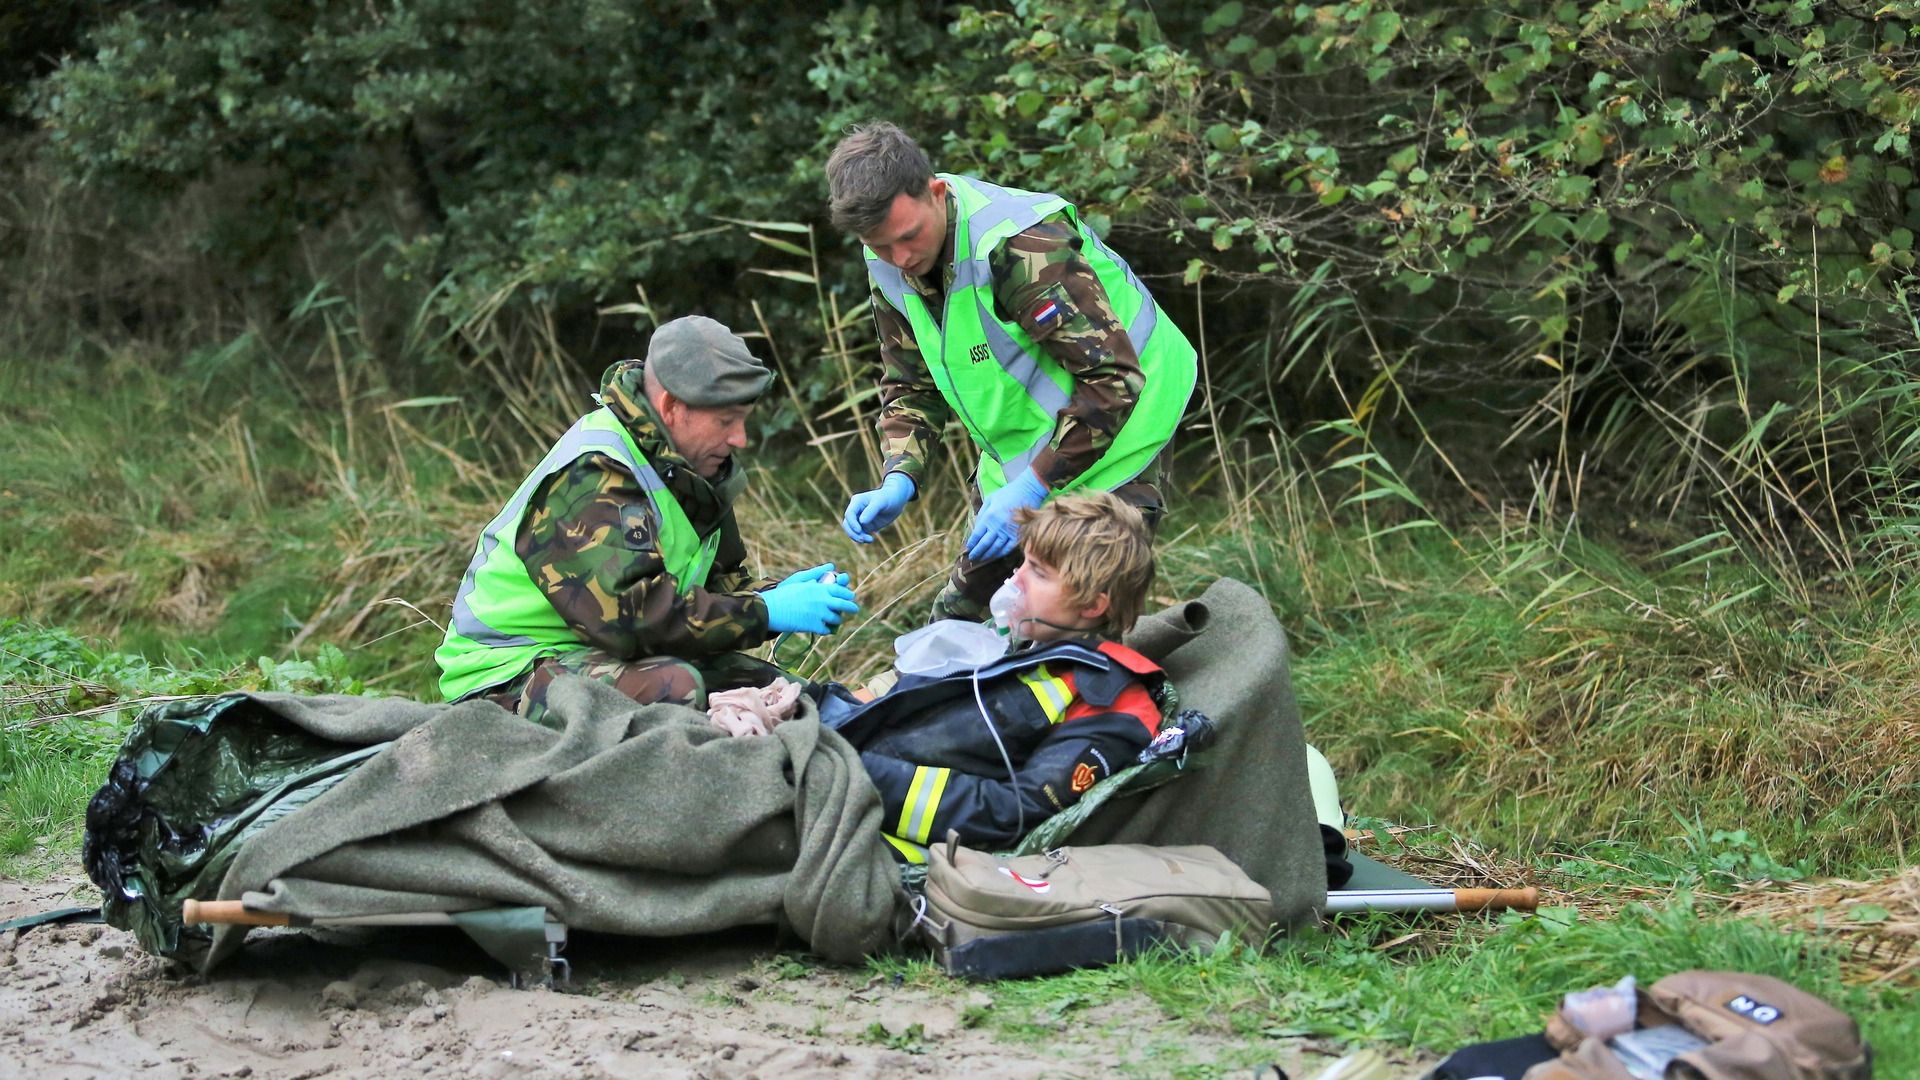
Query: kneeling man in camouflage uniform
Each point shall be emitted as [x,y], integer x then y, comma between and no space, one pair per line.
[618,558]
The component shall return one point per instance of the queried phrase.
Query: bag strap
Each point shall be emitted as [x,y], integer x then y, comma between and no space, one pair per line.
[1119,940]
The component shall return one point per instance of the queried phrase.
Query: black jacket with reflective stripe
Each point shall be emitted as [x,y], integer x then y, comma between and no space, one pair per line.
[930,751]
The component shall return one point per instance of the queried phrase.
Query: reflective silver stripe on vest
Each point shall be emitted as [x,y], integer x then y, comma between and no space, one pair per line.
[1140,330]
[571,445]
[1005,205]
[1025,369]
[892,283]
[1021,209]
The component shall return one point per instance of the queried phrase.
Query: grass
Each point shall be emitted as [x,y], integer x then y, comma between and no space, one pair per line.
[66,706]
[1430,984]
[208,527]
[1559,699]
[1613,703]
[1425,986]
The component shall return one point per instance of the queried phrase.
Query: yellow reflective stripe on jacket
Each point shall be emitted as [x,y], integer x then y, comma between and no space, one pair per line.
[1053,693]
[913,853]
[923,799]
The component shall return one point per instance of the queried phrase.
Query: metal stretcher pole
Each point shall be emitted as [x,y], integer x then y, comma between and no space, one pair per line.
[1352,900]
[194,912]
[526,939]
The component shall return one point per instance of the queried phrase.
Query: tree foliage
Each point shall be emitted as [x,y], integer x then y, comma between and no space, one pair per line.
[1654,221]
[1657,221]
[565,151]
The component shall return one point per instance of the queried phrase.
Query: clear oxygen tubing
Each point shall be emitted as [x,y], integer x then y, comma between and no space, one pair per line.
[780,639]
[1019,803]
[1005,599]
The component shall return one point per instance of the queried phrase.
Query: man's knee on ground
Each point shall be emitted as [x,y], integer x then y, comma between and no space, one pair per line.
[662,679]
[648,681]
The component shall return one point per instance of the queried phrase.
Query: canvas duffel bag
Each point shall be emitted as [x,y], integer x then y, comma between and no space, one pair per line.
[991,917]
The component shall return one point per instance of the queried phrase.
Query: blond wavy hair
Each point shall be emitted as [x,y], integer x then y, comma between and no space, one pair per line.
[1099,545]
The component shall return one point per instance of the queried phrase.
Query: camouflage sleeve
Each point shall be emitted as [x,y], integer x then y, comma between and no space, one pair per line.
[1043,283]
[730,573]
[590,541]
[912,412]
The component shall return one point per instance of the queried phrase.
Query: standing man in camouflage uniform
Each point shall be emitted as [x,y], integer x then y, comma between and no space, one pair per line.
[999,306]
[619,558]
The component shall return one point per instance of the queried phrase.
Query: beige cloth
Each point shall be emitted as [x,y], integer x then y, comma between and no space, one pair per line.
[753,710]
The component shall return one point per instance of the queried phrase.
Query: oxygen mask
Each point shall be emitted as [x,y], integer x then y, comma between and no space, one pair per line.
[1007,599]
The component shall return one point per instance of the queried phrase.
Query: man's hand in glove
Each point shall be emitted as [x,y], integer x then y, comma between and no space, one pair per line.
[994,533]
[810,602]
[823,572]
[871,511]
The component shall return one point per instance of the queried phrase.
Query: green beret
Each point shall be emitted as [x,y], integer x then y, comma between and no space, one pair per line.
[704,364]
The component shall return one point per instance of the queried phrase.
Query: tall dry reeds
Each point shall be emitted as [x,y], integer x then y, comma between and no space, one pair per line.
[1534,659]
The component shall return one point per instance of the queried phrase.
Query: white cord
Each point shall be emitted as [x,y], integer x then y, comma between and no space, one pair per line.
[920,916]
[1019,804]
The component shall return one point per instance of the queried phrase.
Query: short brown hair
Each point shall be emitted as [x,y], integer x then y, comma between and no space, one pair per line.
[1099,544]
[873,164]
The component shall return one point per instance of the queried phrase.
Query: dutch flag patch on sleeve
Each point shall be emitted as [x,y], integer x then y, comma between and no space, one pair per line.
[1046,315]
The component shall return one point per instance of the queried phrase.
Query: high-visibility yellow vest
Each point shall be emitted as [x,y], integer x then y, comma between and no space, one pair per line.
[502,622]
[998,381]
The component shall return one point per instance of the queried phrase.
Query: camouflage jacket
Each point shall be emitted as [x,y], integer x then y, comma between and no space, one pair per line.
[590,541]
[1086,340]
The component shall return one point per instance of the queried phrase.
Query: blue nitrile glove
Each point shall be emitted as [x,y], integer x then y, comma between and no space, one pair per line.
[816,574]
[871,511]
[797,606]
[994,533]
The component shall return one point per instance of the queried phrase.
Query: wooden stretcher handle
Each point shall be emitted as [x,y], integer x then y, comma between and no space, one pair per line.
[195,912]
[1496,899]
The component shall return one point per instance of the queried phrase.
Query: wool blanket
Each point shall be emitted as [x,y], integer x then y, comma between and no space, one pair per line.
[623,818]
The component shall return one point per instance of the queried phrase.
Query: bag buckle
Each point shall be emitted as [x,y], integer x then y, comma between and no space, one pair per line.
[1056,858]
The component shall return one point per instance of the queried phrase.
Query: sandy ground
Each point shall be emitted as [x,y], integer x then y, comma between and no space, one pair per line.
[85,1001]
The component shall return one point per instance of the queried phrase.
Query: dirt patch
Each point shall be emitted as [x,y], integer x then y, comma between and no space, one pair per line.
[85,1001]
